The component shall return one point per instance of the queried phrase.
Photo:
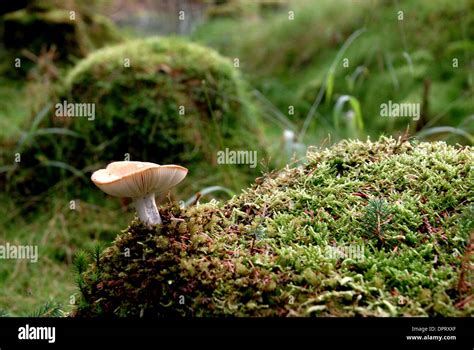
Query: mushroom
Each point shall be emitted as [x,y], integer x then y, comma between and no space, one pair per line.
[140,181]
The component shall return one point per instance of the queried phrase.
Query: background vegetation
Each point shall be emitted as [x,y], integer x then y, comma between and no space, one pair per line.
[282,81]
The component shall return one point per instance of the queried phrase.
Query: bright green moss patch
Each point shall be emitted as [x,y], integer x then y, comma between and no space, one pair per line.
[363,228]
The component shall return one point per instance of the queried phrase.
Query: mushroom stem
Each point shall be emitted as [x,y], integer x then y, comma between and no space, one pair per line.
[147,210]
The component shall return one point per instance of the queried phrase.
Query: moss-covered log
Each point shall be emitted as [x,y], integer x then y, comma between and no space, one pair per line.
[363,228]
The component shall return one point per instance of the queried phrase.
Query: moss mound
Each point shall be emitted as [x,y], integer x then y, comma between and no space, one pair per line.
[161,100]
[371,229]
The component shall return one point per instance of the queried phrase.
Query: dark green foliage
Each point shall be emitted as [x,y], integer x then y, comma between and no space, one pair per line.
[284,246]
[49,309]
[48,25]
[81,260]
[95,254]
[4,313]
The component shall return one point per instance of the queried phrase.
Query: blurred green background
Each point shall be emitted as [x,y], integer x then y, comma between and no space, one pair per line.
[272,76]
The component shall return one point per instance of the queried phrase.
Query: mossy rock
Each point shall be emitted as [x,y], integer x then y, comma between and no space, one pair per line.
[363,228]
[42,26]
[162,100]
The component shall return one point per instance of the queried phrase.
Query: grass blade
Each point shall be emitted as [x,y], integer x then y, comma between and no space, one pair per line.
[445,130]
[45,131]
[206,191]
[62,165]
[40,116]
[355,106]
[328,81]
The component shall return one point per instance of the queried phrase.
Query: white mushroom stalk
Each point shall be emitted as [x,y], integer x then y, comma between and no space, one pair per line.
[147,210]
[139,181]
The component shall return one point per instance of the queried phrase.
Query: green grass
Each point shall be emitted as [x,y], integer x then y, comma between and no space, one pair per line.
[14,108]
[59,233]
[291,61]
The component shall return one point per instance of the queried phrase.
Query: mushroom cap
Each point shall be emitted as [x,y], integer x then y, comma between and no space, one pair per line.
[137,179]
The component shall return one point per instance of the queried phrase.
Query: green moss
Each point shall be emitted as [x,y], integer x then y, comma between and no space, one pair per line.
[36,28]
[162,100]
[363,228]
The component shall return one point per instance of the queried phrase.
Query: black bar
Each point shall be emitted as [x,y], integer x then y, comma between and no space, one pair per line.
[363,331]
